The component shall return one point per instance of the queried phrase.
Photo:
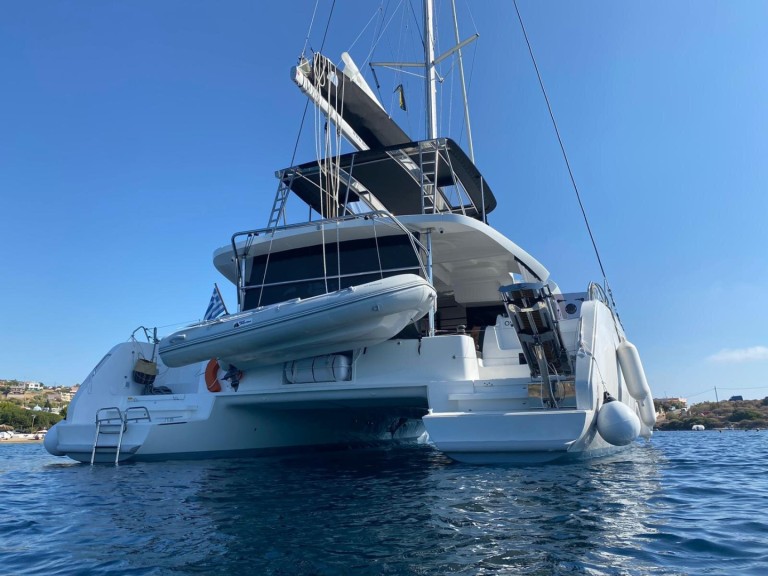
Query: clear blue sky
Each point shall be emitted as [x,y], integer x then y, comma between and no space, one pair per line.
[137,136]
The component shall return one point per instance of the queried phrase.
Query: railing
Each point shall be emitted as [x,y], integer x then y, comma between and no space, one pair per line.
[327,221]
[377,216]
[596,292]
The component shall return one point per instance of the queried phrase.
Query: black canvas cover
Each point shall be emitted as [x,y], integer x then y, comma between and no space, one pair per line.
[364,116]
[393,175]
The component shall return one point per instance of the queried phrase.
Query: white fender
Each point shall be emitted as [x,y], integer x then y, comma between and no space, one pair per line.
[634,376]
[617,423]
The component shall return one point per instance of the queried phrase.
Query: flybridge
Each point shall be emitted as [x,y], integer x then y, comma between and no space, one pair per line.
[389,171]
[431,176]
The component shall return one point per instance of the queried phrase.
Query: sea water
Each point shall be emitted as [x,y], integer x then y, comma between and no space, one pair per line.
[685,503]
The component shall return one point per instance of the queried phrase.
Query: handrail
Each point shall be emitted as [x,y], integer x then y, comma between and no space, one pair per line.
[362,215]
[375,214]
[316,278]
[596,292]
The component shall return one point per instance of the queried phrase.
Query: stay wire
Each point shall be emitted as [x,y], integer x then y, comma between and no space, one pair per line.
[327,25]
[309,30]
[560,141]
[322,45]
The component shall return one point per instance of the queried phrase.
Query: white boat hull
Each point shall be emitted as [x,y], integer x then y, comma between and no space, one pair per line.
[394,392]
[229,433]
[348,319]
[494,423]
[267,415]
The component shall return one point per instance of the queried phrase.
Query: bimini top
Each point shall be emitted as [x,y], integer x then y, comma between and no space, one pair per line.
[400,179]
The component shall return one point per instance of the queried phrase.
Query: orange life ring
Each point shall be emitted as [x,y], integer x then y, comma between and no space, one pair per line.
[212,376]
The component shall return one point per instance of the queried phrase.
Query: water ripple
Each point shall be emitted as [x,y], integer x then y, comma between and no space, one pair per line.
[685,504]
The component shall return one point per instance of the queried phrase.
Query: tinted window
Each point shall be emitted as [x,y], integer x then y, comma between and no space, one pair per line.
[300,273]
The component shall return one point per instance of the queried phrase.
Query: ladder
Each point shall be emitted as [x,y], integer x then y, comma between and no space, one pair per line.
[429,165]
[111,423]
[281,198]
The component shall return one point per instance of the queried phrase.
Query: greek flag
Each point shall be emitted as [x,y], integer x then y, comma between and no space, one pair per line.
[216,306]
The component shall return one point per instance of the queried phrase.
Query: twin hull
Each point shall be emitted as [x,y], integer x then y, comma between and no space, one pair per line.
[474,410]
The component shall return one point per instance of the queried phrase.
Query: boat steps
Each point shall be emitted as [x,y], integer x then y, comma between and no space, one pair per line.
[111,425]
[496,392]
[506,398]
[515,396]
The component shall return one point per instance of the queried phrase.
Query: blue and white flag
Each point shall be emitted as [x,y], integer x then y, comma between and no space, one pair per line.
[216,306]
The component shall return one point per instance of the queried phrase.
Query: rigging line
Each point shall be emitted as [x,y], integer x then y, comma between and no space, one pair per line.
[378,250]
[325,263]
[402,31]
[380,11]
[306,104]
[327,25]
[379,35]
[309,30]
[416,22]
[374,44]
[298,136]
[322,45]
[469,85]
[560,141]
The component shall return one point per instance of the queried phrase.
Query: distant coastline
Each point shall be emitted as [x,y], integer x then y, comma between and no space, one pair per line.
[726,415]
[21,440]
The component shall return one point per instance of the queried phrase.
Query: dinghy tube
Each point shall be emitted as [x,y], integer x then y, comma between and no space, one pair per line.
[634,376]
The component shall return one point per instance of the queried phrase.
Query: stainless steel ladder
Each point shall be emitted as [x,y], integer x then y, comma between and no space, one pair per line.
[111,421]
[428,162]
[281,198]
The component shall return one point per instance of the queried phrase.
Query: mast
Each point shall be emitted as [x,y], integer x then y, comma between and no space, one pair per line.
[429,67]
[431,101]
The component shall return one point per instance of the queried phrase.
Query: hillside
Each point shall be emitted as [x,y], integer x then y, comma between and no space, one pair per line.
[15,417]
[742,415]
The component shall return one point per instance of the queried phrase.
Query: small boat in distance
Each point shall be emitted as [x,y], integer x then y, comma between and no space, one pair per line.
[395,313]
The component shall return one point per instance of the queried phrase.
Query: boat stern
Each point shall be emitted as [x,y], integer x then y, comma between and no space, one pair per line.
[514,437]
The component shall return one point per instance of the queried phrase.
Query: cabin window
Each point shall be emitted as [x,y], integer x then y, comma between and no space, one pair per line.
[303,272]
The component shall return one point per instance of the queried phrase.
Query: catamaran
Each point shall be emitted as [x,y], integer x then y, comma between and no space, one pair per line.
[395,313]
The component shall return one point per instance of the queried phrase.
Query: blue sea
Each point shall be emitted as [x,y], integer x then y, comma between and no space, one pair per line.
[685,503]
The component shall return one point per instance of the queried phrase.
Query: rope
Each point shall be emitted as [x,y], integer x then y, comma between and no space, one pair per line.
[376,242]
[322,45]
[560,141]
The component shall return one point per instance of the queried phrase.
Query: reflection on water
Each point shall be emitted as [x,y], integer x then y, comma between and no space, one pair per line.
[657,508]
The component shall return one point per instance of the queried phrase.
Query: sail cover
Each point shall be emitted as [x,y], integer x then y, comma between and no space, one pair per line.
[350,102]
